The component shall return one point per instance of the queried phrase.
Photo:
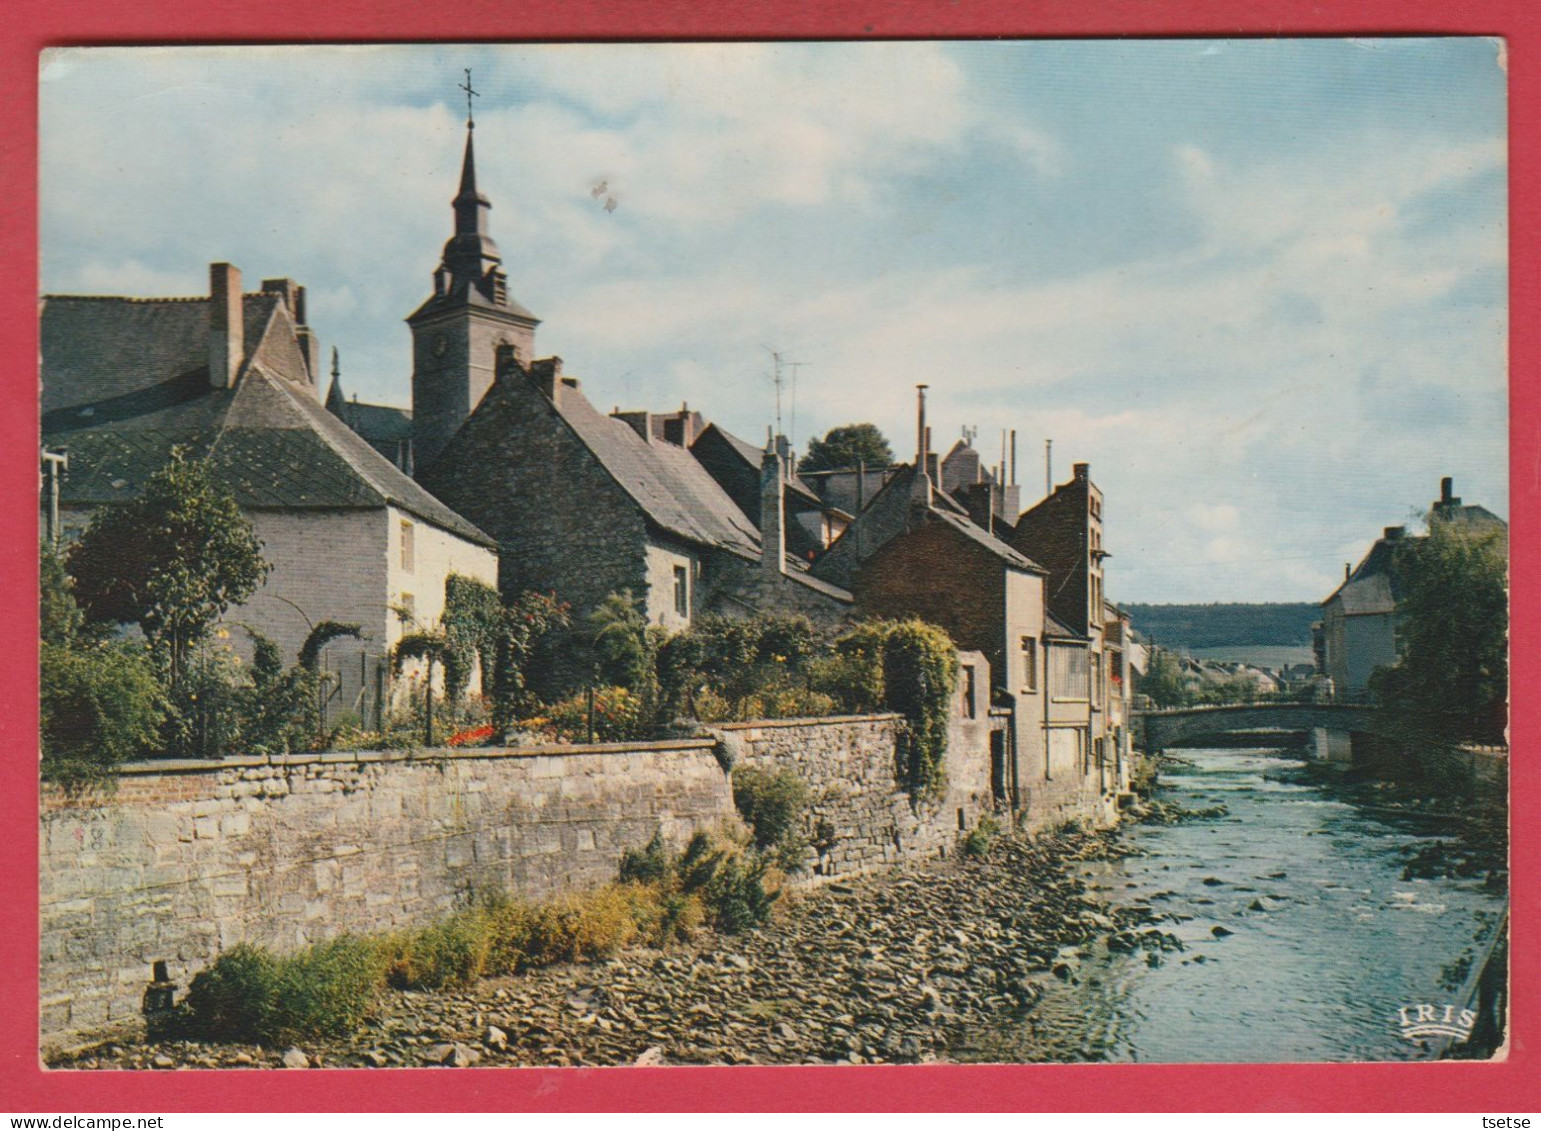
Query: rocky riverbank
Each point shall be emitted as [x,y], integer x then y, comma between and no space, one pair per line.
[897,968]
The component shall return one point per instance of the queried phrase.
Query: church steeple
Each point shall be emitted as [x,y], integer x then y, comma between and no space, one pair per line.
[471,256]
[336,402]
[456,334]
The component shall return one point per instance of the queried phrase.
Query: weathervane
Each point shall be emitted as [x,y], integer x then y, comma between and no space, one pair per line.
[470,94]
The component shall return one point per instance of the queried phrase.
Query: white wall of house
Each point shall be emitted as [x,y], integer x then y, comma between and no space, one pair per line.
[419,558]
[327,565]
[664,564]
[1023,677]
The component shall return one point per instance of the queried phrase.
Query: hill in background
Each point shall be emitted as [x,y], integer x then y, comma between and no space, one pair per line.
[1225,626]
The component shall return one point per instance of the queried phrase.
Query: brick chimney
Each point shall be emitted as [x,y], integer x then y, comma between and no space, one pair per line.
[546,372]
[773,516]
[227,327]
[983,501]
[639,421]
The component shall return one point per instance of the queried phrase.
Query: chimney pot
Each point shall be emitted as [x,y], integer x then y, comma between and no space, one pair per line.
[1446,489]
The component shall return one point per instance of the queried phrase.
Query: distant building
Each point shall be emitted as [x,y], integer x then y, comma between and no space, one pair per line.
[232,378]
[385,428]
[1359,620]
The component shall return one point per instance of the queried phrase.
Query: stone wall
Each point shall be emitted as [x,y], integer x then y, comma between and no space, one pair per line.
[849,767]
[187,859]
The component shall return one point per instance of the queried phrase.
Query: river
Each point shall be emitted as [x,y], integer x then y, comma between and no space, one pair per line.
[1301,937]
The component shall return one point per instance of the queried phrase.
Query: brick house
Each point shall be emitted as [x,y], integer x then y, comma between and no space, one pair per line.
[1063,532]
[232,378]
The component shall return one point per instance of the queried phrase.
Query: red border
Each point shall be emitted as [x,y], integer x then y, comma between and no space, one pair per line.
[34,24]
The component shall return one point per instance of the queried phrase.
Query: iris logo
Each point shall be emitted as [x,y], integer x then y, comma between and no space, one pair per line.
[1420,1021]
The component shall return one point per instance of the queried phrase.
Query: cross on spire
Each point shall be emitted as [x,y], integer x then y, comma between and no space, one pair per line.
[470,94]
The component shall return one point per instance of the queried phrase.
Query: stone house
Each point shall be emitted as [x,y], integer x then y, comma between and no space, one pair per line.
[1357,634]
[233,378]
[585,504]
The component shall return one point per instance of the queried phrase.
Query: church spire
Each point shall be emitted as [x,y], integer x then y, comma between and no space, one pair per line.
[471,256]
[336,402]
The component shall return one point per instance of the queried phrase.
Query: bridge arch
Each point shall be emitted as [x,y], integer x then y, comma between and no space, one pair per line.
[1174,727]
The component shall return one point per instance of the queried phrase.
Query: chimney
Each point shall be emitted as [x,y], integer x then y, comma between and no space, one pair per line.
[981,500]
[1393,533]
[1447,496]
[1013,478]
[639,421]
[546,372]
[292,295]
[1082,470]
[922,441]
[773,518]
[227,329]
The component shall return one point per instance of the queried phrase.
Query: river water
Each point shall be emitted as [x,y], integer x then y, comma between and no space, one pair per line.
[1327,938]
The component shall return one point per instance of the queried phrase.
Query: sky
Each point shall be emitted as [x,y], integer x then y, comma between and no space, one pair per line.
[1260,286]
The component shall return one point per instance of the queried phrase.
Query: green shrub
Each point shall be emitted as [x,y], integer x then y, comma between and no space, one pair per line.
[99,706]
[583,925]
[651,864]
[729,881]
[981,838]
[452,953]
[920,674]
[250,994]
[619,716]
[772,802]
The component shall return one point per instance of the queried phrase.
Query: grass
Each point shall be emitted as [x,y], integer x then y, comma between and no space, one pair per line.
[331,989]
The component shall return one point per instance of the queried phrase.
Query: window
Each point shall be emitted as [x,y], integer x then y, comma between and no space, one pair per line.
[1029,664]
[970,689]
[1070,677]
[682,590]
[406,609]
[408,549]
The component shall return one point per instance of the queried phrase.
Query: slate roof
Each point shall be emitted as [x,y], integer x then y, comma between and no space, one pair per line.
[1057,629]
[754,456]
[666,481]
[981,537]
[125,382]
[1366,596]
[378,423]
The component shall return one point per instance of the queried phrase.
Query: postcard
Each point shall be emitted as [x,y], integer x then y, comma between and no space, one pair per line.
[782,553]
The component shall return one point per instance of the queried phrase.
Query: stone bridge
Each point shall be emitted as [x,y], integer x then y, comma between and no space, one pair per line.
[1179,726]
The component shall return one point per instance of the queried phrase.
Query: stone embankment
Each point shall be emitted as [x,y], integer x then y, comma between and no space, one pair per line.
[897,968]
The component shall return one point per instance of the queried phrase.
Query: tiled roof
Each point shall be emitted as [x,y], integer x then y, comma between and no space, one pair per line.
[125,382]
[665,480]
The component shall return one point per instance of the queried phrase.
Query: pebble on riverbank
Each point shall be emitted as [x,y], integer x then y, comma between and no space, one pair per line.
[895,968]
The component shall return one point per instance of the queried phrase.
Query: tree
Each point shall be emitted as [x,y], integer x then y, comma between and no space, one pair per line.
[99,704]
[619,639]
[171,560]
[1451,682]
[847,446]
[1164,681]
